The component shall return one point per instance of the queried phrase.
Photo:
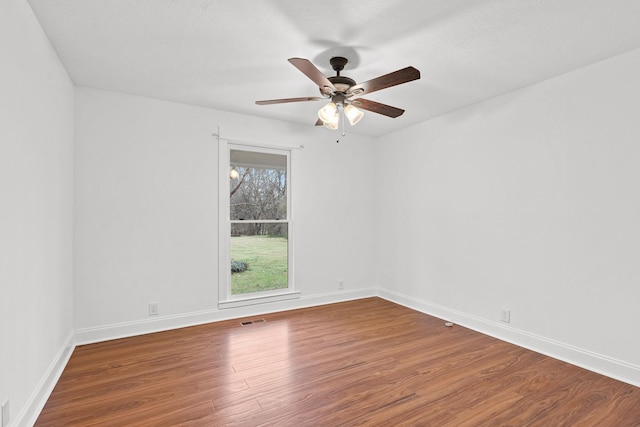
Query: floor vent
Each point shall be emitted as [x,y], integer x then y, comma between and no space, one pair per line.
[251,322]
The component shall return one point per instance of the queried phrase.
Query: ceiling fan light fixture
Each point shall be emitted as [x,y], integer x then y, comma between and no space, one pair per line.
[353,114]
[331,125]
[328,113]
[334,121]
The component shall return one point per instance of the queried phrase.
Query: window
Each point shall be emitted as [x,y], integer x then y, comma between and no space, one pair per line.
[255,238]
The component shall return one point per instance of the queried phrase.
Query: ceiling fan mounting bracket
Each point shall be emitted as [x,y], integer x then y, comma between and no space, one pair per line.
[338,63]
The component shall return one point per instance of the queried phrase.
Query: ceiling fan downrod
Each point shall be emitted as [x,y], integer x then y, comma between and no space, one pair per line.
[341,83]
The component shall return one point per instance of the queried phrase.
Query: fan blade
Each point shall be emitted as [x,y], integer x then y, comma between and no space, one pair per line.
[314,74]
[284,100]
[319,122]
[376,107]
[392,79]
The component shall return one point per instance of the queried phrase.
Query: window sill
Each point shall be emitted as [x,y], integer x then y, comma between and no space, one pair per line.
[261,299]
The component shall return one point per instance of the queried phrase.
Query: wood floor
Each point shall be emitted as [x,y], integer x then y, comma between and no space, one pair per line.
[364,362]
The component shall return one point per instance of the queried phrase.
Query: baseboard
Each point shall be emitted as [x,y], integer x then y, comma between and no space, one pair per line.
[30,412]
[598,363]
[163,323]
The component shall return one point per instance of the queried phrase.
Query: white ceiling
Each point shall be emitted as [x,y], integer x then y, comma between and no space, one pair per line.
[226,54]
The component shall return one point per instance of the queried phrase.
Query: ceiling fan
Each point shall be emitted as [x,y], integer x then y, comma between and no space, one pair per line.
[343,91]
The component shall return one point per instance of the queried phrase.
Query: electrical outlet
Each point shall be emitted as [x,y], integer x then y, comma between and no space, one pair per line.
[505,315]
[340,285]
[153,309]
[4,414]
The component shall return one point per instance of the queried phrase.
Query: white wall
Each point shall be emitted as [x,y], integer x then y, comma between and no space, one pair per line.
[147,210]
[529,201]
[36,208]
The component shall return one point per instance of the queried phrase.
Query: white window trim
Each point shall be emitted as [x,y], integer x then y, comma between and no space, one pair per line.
[225,299]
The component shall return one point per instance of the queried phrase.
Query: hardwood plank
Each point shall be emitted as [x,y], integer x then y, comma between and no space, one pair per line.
[364,362]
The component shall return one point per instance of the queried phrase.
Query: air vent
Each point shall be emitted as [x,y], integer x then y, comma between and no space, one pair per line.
[251,322]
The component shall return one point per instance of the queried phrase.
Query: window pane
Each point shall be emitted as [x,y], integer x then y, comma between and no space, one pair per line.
[257,186]
[259,257]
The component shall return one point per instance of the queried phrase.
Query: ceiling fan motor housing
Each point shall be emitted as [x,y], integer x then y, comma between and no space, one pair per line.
[342,83]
